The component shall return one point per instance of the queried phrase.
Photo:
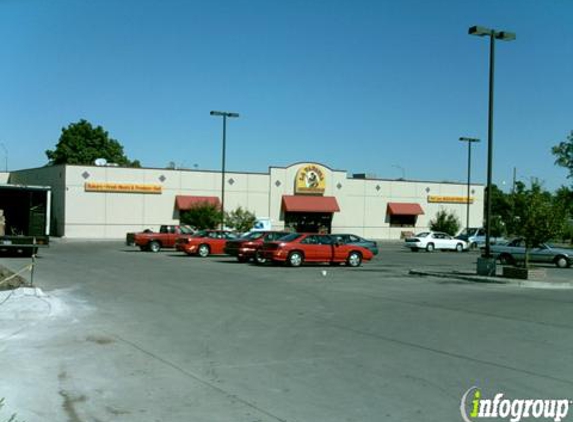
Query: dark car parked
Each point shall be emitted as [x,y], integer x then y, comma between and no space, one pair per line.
[352,239]
[245,248]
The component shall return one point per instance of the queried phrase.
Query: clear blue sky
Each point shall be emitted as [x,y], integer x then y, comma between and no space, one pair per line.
[381,87]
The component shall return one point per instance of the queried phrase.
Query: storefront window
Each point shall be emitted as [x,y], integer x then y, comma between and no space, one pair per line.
[403,220]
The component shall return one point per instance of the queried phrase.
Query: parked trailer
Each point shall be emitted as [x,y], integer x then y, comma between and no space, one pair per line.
[24,218]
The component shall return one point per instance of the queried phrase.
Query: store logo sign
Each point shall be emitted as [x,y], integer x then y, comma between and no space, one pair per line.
[122,187]
[310,178]
[474,407]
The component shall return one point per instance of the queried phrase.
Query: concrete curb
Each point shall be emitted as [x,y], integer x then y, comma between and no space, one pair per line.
[494,280]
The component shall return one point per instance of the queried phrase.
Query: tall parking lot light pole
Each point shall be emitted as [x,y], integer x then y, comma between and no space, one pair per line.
[480,31]
[470,141]
[223,114]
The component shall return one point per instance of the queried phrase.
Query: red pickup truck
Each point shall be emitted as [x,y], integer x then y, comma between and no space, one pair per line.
[166,238]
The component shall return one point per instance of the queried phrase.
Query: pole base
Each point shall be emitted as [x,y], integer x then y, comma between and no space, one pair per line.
[486,266]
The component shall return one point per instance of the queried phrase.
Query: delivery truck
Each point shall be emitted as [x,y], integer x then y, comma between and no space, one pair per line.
[24,218]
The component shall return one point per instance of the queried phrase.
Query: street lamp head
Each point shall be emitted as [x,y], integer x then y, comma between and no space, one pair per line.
[224,114]
[480,31]
[465,139]
[505,36]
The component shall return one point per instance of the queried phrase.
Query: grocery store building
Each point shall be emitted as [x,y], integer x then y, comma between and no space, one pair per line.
[106,202]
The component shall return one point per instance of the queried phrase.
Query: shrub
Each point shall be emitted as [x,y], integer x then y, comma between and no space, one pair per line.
[240,219]
[202,216]
[445,222]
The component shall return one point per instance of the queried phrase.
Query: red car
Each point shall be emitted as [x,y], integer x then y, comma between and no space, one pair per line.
[297,248]
[245,247]
[205,242]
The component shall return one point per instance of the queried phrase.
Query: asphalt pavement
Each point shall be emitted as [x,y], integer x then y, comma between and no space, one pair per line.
[121,335]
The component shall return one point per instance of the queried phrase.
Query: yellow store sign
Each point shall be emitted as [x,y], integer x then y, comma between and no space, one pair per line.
[450,199]
[122,187]
[310,179]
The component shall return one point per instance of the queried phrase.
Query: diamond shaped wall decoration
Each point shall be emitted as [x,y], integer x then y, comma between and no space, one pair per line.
[162,178]
[378,188]
[278,183]
[231,181]
[85,175]
[339,185]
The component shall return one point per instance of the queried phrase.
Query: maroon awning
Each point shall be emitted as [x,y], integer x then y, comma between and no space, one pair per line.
[403,208]
[186,202]
[300,203]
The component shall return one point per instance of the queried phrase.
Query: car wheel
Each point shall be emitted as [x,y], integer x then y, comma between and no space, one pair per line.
[506,259]
[354,259]
[295,259]
[459,247]
[154,246]
[561,262]
[430,247]
[259,259]
[203,250]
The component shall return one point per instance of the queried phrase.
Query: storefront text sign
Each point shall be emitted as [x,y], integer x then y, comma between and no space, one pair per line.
[122,187]
[310,179]
[450,199]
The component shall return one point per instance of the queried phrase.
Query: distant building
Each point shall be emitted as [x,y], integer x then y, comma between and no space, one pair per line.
[107,202]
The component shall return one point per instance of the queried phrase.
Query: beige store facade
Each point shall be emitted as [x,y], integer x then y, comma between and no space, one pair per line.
[106,202]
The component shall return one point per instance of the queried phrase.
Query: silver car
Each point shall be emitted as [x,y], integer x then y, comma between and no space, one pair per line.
[514,251]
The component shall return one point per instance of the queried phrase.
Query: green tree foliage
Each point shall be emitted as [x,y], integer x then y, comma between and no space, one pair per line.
[501,209]
[202,216]
[81,143]
[445,222]
[564,153]
[540,219]
[241,220]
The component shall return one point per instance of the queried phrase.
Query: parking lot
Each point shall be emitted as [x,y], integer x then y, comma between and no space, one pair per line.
[139,336]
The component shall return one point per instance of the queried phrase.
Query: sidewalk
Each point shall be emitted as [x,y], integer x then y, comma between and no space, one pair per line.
[556,278]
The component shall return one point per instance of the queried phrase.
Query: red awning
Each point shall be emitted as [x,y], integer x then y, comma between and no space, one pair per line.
[299,203]
[401,208]
[185,202]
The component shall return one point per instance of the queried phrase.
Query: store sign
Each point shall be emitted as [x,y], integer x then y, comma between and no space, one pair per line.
[450,199]
[122,187]
[310,179]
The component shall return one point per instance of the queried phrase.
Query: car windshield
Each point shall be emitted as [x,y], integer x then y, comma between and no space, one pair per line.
[423,234]
[201,233]
[253,235]
[290,237]
[186,230]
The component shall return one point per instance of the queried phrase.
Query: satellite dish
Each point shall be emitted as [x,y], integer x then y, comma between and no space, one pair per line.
[100,162]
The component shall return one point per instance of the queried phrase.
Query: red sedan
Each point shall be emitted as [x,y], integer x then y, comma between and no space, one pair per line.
[245,248]
[205,242]
[297,248]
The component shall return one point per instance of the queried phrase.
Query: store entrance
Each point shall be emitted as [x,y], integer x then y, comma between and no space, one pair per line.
[309,222]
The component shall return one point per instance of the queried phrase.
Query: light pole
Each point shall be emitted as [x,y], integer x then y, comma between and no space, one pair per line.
[470,141]
[480,31]
[223,114]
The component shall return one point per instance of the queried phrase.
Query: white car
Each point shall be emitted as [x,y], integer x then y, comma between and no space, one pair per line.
[435,240]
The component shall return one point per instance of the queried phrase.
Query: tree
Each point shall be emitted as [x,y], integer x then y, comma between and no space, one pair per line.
[564,153]
[541,218]
[81,143]
[445,222]
[240,219]
[202,216]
